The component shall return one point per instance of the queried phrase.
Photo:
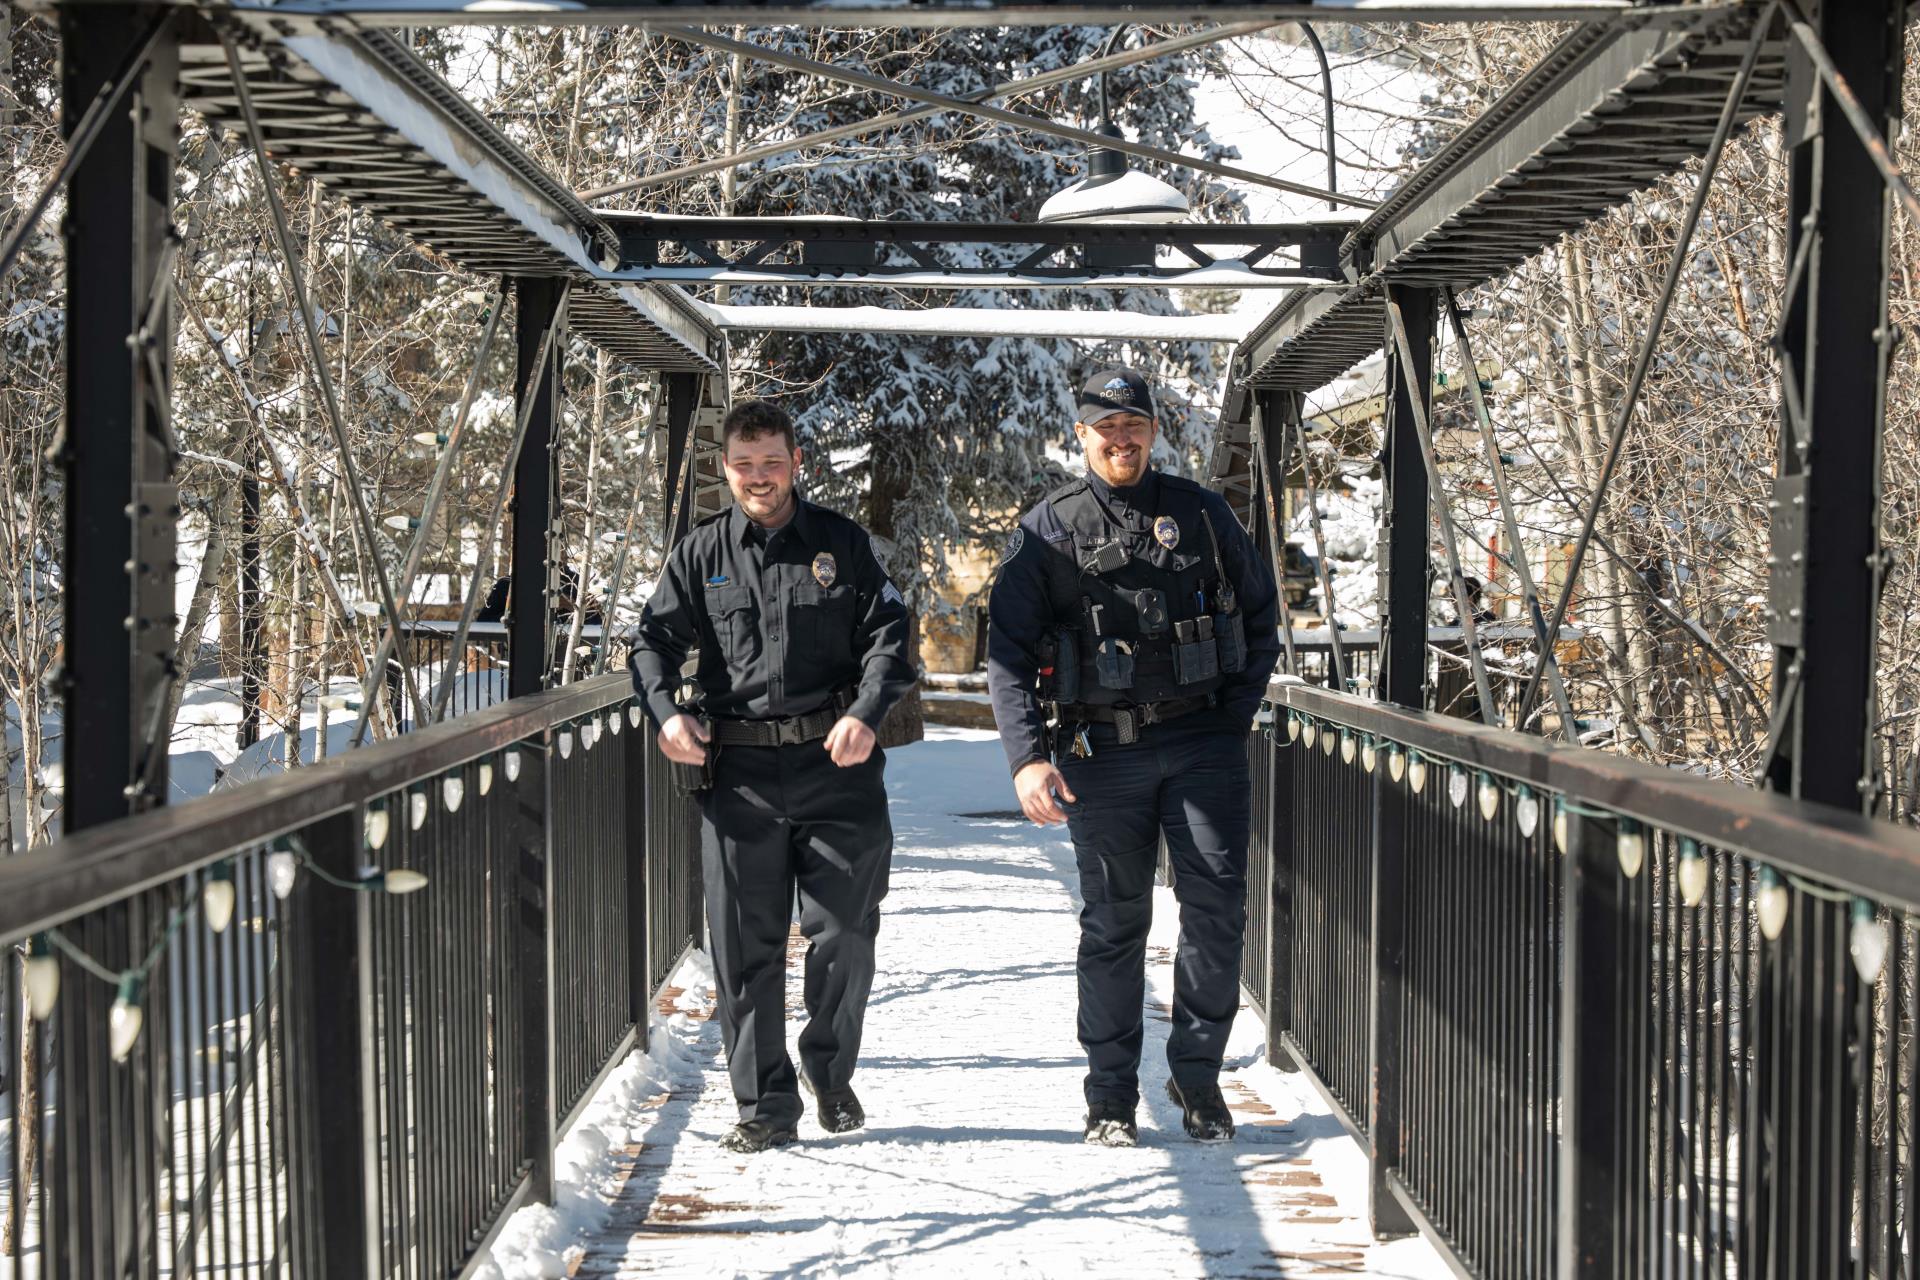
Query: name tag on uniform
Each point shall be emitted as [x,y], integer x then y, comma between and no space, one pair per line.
[717,580]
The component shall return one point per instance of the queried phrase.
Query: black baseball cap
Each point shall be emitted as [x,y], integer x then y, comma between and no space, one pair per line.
[1112,391]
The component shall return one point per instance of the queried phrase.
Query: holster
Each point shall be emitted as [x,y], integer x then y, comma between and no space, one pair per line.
[692,779]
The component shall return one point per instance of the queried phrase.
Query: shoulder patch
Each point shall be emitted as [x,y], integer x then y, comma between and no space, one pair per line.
[1018,540]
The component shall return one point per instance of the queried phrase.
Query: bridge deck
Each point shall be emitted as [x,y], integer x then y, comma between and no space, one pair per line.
[972,1163]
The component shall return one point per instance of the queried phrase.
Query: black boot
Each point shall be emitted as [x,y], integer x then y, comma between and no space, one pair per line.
[839,1111]
[751,1136]
[1203,1110]
[1110,1124]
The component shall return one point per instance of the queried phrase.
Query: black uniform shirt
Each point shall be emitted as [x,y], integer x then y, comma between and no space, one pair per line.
[783,619]
[1020,611]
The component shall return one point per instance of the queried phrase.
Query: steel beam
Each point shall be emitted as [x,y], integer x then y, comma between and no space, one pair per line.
[117,455]
[948,13]
[1406,514]
[118,449]
[536,389]
[1835,345]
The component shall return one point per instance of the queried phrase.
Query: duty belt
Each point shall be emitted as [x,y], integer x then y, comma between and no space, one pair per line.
[1130,720]
[790,732]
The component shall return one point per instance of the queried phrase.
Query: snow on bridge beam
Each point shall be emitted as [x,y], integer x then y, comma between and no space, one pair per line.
[1227,274]
[950,13]
[428,164]
[983,322]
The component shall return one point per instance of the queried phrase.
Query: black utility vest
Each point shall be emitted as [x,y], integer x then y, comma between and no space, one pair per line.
[1099,598]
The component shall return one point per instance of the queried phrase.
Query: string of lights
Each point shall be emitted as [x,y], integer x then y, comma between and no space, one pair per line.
[1868,931]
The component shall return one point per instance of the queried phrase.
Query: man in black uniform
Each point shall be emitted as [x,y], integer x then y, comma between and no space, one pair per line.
[803,648]
[1132,634]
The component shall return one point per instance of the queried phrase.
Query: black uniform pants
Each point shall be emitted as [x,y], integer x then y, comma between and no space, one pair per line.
[1190,785]
[775,818]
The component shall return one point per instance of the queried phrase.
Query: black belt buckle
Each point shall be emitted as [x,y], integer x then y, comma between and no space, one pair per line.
[789,733]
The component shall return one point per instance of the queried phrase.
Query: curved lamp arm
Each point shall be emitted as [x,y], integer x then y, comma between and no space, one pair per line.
[1326,95]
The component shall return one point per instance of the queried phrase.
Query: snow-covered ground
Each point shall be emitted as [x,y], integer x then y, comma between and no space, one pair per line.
[972,1163]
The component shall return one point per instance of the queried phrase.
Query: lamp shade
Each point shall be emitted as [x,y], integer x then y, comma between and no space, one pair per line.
[1127,196]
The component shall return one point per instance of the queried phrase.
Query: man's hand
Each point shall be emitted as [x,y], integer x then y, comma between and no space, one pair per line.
[849,742]
[683,740]
[1036,784]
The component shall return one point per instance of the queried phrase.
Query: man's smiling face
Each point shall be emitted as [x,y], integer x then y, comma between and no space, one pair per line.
[1118,446]
[760,472]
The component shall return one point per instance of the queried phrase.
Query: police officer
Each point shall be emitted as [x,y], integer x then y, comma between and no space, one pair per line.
[802,649]
[1132,634]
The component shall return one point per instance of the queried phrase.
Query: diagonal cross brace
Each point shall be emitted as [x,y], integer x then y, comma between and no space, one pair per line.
[1529,590]
[1423,426]
[892,119]
[441,696]
[1643,361]
[436,494]
[297,283]
[1018,119]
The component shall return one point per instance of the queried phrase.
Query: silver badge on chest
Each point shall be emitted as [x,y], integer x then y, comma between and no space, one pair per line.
[825,570]
[1166,532]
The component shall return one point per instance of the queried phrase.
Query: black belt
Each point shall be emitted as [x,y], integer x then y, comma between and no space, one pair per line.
[790,732]
[1130,720]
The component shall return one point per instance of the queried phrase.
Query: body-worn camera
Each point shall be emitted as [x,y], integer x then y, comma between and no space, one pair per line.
[1150,607]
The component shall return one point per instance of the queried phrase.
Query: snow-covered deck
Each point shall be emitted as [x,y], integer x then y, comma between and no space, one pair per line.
[971,1163]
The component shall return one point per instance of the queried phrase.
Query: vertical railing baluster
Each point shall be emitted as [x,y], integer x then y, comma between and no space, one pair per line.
[1281,756]
[1590,1101]
[337,979]
[536,960]
[1387,983]
[637,802]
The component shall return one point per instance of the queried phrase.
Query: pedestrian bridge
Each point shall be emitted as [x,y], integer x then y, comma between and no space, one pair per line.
[1514,1007]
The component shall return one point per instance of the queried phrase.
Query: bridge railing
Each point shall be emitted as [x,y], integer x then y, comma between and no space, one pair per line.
[432,950]
[1590,1017]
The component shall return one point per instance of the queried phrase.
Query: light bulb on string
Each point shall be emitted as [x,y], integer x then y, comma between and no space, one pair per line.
[283,868]
[1487,792]
[401,524]
[1347,746]
[566,744]
[1526,810]
[379,822]
[1308,732]
[1867,940]
[43,978]
[1417,772]
[217,896]
[1772,902]
[589,732]
[1369,754]
[125,1018]
[1563,828]
[1630,846]
[453,789]
[613,723]
[396,880]
[1396,763]
[1326,740]
[417,808]
[431,439]
[367,608]
[486,776]
[1693,873]
[511,761]
[635,715]
[1456,786]
[1293,726]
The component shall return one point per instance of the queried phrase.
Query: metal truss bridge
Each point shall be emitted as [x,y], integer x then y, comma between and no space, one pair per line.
[1587,1017]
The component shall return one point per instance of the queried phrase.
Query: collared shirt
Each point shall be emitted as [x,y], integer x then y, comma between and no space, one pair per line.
[1021,610]
[783,619]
